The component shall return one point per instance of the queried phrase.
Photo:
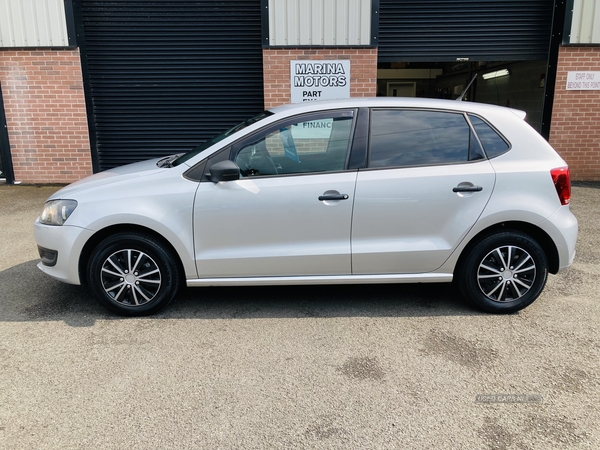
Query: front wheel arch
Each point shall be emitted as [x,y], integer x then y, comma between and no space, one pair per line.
[101,235]
[133,274]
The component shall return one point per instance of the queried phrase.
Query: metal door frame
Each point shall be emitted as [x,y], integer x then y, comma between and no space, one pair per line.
[5,156]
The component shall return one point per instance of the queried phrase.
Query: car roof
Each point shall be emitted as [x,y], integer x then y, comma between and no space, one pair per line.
[393,102]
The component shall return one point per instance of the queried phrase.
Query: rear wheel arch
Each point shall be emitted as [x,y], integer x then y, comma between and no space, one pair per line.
[503,272]
[539,235]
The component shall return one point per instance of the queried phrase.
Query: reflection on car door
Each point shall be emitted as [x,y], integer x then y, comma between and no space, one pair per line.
[273,226]
[409,220]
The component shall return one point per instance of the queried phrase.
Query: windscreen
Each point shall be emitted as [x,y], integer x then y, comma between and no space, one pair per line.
[200,148]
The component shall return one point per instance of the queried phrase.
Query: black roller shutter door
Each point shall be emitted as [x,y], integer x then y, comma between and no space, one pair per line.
[481,30]
[162,76]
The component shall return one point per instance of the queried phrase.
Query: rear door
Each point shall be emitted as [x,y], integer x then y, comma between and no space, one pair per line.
[426,184]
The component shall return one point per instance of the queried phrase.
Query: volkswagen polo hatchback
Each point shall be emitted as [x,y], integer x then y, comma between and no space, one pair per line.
[351,191]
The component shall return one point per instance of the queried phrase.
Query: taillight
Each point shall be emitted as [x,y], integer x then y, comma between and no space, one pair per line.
[562,182]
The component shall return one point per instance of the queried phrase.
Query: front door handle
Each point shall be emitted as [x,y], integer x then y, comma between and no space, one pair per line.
[330,197]
[467,188]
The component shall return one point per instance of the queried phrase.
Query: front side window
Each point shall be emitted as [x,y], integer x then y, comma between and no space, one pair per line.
[313,143]
[414,138]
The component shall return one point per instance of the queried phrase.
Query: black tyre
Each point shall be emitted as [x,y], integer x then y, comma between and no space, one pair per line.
[133,274]
[504,272]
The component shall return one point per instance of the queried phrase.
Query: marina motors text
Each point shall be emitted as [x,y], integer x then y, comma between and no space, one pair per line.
[320,75]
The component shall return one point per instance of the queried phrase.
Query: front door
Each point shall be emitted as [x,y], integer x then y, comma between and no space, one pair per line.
[290,213]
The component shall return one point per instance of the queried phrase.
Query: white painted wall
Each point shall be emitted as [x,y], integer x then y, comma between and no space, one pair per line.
[319,22]
[585,28]
[33,23]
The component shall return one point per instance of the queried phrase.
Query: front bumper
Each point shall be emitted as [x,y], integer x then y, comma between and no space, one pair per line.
[67,241]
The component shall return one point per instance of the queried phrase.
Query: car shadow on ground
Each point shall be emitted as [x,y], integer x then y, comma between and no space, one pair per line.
[30,295]
[586,184]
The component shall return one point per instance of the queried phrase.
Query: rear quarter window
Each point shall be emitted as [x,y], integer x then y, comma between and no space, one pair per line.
[492,142]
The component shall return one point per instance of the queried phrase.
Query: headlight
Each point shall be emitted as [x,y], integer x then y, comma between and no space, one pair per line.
[56,212]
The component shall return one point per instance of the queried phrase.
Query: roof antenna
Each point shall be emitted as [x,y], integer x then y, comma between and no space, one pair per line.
[459,99]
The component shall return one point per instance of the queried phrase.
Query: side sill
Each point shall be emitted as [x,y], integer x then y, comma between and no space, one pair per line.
[331,279]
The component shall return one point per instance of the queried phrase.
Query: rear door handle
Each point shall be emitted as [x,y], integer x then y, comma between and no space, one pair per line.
[467,188]
[326,197]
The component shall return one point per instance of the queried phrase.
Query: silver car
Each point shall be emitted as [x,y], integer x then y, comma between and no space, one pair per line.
[351,191]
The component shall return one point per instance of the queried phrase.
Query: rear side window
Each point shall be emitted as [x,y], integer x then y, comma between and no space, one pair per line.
[492,142]
[414,138]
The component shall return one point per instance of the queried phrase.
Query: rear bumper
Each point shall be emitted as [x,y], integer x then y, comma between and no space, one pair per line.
[562,227]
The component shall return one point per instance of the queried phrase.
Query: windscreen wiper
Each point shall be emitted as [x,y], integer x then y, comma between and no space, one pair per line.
[167,161]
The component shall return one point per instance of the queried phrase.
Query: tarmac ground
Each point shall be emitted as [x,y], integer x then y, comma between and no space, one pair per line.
[336,367]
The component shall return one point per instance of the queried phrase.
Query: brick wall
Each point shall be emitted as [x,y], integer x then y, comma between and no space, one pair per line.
[276,66]
[575,126]
[45,115]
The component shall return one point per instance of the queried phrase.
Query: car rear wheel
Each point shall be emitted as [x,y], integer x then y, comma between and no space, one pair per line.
[504,272]
[133,274]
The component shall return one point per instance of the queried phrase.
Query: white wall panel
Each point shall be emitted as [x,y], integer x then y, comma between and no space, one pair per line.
[319,22]
[33,23]
[585,27]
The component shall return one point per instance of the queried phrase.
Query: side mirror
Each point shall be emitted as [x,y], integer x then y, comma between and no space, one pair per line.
[224,171]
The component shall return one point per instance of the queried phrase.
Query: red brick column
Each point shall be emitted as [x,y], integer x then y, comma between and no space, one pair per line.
[575,126]
[45,115]
[276,66]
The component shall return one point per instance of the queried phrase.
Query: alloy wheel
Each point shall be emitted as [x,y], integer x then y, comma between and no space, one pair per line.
[506,273]
[130,277]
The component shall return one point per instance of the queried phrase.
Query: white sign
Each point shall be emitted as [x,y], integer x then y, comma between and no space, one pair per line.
[319,80]
[583,81]
[316,129]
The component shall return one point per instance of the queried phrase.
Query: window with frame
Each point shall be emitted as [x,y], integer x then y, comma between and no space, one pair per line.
[311,143]
[492,142]
[415,138]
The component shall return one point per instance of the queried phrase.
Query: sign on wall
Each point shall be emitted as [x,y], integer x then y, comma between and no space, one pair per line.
[583,81]
[319,80]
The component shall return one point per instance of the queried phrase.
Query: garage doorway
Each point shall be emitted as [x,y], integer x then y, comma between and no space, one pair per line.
[440,46]
[395,89]
[515,84]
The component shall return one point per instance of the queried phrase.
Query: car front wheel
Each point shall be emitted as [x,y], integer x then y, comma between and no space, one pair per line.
[133,274]
[504,272]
